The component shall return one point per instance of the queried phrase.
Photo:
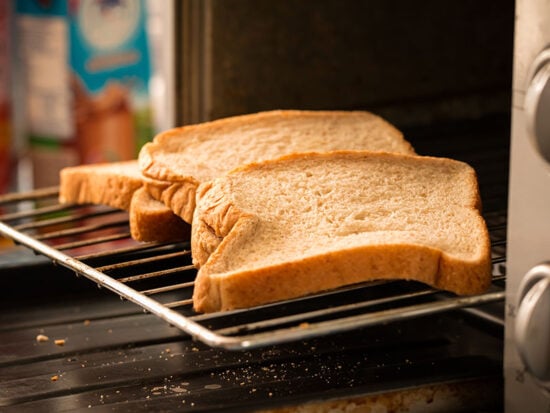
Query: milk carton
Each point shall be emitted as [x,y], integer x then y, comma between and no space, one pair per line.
[86,70]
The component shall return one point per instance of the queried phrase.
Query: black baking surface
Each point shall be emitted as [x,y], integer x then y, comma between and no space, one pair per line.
[116,358]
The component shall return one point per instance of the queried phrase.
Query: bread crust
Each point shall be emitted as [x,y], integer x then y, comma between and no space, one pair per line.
[169,182]
[154,168]
[152,221]
[120,185]
[179,196]
[105,184]
[221,292]
[220,225]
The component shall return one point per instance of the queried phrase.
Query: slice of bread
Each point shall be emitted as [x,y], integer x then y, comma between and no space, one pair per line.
[152,221]
[110,184]
[120,185]
[178,160]
[305,223]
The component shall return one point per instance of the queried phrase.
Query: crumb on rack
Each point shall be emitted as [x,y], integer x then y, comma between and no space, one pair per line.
[41,338]
[60,342]
[54,378]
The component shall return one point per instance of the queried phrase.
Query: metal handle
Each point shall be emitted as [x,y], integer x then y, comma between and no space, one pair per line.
[537,105]
[532,328]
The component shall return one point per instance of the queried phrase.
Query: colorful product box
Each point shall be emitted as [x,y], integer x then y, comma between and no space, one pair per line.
[86,71]
[5,97]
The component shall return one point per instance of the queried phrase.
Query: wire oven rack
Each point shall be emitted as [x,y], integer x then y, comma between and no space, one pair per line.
[94,241]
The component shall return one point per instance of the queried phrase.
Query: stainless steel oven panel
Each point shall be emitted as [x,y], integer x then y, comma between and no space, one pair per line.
[526,388]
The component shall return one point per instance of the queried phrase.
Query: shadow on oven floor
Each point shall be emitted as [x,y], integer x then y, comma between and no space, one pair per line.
[103,354]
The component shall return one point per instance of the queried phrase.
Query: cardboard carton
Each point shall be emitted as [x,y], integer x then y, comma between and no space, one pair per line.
[86,71]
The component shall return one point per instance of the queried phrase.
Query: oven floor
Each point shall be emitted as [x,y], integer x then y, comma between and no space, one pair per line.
[116,358]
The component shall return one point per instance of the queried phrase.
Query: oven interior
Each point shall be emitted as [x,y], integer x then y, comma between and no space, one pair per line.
[116,356]
[113,356]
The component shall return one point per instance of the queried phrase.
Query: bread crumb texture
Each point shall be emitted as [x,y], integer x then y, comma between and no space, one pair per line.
[180,159]
[238,140]
[305,223]
[110,184]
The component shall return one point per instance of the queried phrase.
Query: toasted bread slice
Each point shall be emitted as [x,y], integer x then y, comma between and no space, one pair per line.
[120,185]
[178,160]
[151,220]
[305,223]
[110,184]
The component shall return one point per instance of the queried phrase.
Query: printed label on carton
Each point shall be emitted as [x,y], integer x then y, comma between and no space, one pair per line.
[87,72]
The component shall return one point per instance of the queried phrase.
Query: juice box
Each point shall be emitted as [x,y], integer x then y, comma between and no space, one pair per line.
[86,71]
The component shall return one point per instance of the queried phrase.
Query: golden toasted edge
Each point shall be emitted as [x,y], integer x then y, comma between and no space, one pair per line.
[158,171]
[178,196]
[152,221]
[97,184]
[215,292]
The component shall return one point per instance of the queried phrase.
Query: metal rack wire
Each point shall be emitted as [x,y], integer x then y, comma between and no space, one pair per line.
[94,241]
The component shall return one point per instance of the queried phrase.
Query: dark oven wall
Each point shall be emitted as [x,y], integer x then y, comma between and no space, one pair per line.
[440,71]
[414,61]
